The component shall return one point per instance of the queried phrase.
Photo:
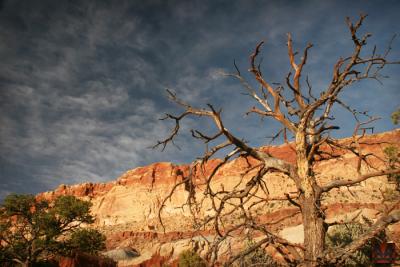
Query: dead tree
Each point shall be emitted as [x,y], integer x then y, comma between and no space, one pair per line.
[307,118]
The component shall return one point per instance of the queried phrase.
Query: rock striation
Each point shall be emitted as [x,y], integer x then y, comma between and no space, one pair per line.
[126,210]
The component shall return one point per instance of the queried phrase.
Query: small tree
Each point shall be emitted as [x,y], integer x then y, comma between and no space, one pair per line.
[307,118]
[33,230]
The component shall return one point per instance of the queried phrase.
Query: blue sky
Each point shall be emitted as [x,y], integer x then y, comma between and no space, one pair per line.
[82,83]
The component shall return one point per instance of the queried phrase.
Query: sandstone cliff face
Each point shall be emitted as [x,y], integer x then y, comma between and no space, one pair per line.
[127,209]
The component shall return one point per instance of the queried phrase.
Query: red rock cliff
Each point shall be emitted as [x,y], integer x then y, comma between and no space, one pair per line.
[127,209]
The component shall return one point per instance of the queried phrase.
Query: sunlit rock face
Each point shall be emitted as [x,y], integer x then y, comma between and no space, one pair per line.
[127,209]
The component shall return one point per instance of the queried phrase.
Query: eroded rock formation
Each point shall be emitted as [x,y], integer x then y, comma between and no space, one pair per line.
[126,210]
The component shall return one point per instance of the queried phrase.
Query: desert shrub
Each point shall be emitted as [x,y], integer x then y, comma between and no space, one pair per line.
[391,194]
[341,235]
[189,258]
[392,156]
[396,116]
[258,257]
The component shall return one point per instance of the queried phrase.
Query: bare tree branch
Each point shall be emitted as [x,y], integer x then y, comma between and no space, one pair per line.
[308,119]
[349,182]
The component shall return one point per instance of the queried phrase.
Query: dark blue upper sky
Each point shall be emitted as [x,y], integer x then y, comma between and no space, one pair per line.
[82,83]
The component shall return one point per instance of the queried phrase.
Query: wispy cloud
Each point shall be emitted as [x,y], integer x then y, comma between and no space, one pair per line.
[82,84]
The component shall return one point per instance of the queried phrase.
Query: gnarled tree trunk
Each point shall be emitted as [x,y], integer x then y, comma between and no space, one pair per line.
[313,221]
[314,231]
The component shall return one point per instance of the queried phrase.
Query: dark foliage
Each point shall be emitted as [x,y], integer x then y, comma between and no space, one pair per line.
[32,230]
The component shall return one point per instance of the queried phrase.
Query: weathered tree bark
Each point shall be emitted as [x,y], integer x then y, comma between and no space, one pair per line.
[314,231]
[313,219]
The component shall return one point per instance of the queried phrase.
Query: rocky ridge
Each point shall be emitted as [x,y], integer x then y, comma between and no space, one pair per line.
[126,210]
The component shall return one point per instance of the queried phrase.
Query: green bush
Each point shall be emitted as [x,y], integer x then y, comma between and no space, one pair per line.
[190,258]
[344,234]
[392,155]
[396,116]
[258,257]
[87,240]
